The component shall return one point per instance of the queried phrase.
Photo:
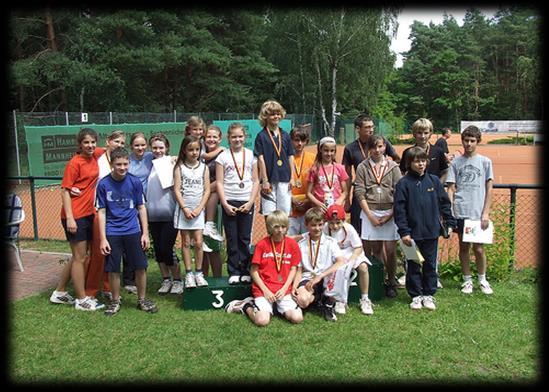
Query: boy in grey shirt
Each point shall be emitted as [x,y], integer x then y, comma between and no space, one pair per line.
[470,190]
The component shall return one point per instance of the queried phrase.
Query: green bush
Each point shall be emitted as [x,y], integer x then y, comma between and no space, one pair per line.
[499,255]
[521,140]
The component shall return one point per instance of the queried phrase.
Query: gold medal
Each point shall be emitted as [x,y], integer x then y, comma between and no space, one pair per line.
[279,162]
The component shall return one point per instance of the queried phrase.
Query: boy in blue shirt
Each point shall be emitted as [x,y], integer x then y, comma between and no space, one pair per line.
[421,205]
[275,157]
[123,229]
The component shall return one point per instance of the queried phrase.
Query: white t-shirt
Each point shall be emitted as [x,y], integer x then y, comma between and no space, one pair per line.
[470,175]
[347,239]
[104,166]
[327,254]
[231,180]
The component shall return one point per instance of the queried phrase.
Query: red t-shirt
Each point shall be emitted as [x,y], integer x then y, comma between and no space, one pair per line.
[264,258]
[82,173]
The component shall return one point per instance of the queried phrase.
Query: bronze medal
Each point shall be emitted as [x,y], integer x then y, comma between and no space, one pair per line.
[241,185]
[298,184]
[279,278]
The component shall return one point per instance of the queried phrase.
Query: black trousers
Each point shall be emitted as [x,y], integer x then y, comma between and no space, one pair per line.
[238,233]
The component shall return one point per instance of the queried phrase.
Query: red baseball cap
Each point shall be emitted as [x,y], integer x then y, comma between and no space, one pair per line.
[335,211]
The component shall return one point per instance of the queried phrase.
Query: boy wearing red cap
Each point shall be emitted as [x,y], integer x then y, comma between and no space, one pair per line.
[352,251]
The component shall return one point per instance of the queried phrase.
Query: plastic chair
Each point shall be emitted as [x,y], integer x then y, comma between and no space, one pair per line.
[15,216]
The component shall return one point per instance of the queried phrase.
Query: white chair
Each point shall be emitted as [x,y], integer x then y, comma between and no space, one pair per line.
[15,216]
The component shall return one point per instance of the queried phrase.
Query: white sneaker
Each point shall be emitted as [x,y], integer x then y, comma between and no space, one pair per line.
[206,248]
[61,297]
[200,281]
[177,287]
[88,304]
[234,279]
[211,231]
[416,303]
[237,305]
[131,289]
[340,308]
[485,287]
[439,285]
[366,306]
[429,302]
[165,287]
[246,279]
[401,282]
[190,281]
[467,287]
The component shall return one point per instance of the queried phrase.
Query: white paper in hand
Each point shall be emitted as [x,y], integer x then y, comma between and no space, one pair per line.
[164,169]
[411,252]
[472,232]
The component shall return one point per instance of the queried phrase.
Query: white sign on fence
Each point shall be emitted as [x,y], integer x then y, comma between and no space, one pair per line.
[507,126]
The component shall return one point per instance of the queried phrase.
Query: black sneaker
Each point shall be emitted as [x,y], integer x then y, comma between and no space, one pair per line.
[329,312]
[390,291]
[147,305]
[113,308]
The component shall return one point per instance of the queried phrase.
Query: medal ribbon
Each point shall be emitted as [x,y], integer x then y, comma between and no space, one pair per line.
[330,185]
[279,147]
[313,261]
[275,255]
[298,172]
[378,174]
[241,176]
[361,149]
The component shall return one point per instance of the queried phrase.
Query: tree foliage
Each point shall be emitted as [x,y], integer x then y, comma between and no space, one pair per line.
[485,69]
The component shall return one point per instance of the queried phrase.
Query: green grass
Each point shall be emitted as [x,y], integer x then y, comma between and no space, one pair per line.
[468,339]
[45,245]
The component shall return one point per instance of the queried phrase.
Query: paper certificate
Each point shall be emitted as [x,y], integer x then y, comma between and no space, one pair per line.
[472,232]
[164,169]
[411,252]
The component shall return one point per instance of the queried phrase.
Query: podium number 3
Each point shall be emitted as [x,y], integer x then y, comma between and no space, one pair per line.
[218,294]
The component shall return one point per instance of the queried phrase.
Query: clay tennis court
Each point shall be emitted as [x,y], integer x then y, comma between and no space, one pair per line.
[512,165]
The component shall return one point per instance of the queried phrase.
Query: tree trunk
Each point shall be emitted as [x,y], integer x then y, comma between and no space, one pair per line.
[52,43]
[322,110]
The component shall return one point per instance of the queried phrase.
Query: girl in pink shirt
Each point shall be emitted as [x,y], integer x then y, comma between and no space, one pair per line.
[327,179]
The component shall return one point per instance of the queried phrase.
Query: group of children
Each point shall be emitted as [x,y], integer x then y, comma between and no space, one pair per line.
[310,252]
[406,201]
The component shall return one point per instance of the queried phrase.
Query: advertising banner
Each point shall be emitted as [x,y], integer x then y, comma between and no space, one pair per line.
[507,126]
[51,147]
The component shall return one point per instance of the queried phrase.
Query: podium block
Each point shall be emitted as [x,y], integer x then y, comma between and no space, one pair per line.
[376,289]
[219,293]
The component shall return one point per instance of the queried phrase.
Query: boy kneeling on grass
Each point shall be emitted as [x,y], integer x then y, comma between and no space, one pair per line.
[273,269]
[350,244]
[123,229]
[321,257]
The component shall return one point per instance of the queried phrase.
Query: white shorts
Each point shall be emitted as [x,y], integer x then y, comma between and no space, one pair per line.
[282,305]
[280,198]
[386,232]
[297,225]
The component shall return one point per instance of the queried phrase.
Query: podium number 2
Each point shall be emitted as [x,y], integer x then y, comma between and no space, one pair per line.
[218,294]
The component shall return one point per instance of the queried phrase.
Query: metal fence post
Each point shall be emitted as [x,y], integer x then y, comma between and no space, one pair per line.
[16,144]
[66,118]
[33,206]
[512,212]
